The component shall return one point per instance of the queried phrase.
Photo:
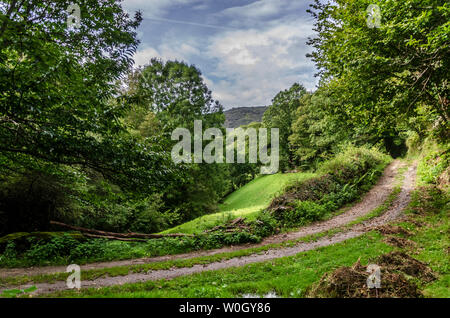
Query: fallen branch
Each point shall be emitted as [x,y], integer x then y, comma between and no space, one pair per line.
[230,227]
[116,236]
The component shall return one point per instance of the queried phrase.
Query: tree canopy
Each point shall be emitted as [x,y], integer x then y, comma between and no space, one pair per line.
[57,87]
[164,96]
[384,75]
[281,115]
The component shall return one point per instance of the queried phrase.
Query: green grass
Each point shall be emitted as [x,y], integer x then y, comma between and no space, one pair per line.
[433,241]
[124,270]
[292,276]
[432,237]
[287,277]
[245,202]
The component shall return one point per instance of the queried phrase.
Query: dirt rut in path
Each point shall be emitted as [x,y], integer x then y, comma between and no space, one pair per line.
[393,212]
[376,196]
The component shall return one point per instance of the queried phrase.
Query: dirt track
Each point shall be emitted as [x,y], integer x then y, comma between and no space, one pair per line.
[371,200]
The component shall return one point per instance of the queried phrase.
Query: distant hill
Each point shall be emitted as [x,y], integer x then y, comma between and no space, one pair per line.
[239,116]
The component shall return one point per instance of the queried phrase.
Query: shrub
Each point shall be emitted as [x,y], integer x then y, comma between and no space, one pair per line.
[341,180]
[265,225]
[353,163]
[9,254]
[57,247]
[303,213]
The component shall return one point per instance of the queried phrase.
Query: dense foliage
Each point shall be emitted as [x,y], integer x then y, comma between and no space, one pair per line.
[341,181]
[74,145]
[281,115]
[169,95]
[316,133]
[59,116]
[385,78]
[345,178]
[86,139]
[56,87]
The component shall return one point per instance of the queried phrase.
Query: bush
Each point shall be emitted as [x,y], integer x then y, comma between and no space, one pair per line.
[65,249]
[9,254]
[303,213]
[433,165]
[265,225]
[341,180]
[23,241]
[353,164]
[57,247]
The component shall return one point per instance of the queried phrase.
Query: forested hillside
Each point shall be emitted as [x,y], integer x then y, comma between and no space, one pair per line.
[241,116]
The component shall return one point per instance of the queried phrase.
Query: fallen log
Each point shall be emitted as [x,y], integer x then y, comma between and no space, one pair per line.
[114,238]
[230,227]
[112,235]
[239,220]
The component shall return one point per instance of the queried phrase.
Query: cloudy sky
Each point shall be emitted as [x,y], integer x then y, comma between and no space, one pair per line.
[247,50]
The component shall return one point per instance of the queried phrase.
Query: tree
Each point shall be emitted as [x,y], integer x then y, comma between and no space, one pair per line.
[176,94]
[281,115]
[171,95]
[317,133]
[57,90]
[242,173]
[384,75]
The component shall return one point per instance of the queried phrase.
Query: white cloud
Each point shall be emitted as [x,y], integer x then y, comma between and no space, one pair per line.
[154,8]
[256,9]
[202,6]
[187,49]
[166,51]
[257,64]
[245,66]
[263,9]
[144,56]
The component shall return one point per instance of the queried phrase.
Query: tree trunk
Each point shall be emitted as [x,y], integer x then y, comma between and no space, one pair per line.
[112,235]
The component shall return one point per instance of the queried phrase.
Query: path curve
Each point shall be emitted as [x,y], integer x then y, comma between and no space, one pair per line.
[371,200]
